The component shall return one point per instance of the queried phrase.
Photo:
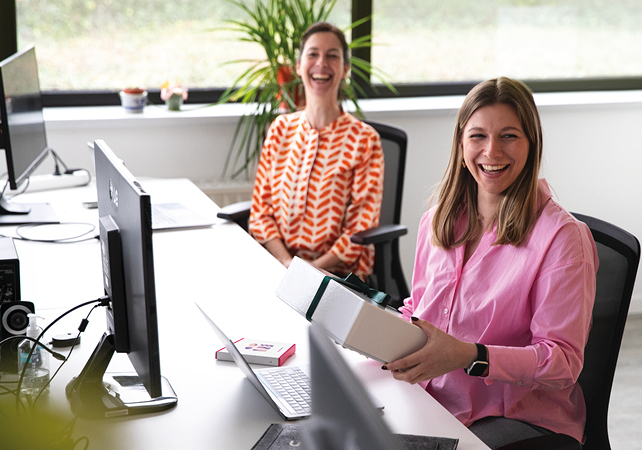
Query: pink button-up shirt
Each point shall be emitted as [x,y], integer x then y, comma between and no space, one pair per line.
[530,305]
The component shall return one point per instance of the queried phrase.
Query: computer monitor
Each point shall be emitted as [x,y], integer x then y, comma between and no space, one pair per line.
[125,222]
[22,134]
[343,416]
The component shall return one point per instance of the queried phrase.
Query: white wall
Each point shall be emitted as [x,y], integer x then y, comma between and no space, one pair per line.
[592,149]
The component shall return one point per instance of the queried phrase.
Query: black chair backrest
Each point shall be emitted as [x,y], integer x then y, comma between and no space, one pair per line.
[619,255]
[394,142]
[388,274]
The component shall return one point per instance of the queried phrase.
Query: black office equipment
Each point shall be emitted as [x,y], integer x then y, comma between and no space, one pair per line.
[22,134]
[343,415]
[9,271]
[14,317]
[128,273]
[287,436]
[387,275]
[619,255]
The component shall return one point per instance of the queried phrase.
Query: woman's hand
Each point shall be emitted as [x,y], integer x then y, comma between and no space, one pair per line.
[278,249]
[442,353]
[330,262]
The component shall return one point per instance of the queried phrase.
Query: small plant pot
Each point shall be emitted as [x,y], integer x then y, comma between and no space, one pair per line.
[174,102]
[133,100]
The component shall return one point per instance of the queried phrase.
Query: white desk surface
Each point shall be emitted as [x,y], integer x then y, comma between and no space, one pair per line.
[234,279]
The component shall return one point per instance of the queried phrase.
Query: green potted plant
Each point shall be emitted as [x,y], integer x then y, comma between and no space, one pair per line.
[272,83]
[173,94]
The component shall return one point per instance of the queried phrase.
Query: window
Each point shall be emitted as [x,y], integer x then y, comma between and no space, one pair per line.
[437,41]
[424,47]
[89,45]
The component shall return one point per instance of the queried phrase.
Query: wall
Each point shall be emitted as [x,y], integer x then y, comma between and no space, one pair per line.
[592,151]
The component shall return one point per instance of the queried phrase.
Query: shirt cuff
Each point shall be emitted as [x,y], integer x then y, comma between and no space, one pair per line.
[514,365]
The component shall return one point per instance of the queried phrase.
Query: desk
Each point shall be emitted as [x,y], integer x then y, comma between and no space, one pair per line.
[234,279]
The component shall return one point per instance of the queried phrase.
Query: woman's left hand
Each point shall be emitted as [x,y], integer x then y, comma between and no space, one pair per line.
[442,353]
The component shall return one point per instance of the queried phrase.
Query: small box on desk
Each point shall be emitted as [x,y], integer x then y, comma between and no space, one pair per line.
[348,316]
[257,351]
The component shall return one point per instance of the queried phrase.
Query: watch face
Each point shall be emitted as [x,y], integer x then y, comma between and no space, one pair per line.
[477,368]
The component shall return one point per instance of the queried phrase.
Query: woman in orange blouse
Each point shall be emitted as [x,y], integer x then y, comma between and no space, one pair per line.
[320,174]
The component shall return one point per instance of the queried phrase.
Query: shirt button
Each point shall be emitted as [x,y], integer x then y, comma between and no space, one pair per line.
[445,310]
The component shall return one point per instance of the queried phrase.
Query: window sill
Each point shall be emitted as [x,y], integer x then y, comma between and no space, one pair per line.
[115,116]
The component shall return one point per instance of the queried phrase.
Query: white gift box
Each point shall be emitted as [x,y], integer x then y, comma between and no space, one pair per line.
[348,316]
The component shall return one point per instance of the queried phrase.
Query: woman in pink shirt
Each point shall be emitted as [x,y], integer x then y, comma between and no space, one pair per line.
[504,281]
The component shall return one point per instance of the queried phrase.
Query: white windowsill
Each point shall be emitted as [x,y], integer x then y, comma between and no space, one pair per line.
[115,116]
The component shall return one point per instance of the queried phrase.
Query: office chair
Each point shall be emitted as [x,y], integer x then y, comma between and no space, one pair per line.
[387,274]
[619,255]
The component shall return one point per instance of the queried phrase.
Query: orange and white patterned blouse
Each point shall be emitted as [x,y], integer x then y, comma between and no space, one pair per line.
[314,189]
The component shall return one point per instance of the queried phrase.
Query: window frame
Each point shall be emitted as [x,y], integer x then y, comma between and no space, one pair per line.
[360,9]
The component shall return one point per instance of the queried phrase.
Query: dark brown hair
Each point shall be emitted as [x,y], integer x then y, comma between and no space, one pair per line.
[325,27]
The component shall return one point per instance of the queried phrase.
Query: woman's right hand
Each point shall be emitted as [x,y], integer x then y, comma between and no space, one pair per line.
[442,353]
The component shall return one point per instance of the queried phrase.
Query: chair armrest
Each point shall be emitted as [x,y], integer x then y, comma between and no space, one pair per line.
[236,211]
[382,233]
[549,442]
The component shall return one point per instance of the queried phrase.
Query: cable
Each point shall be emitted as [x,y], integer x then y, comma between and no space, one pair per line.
[57,162]
[67,171]
[58,356]
[57,172]
[103,301]
[66,240]
[81,328]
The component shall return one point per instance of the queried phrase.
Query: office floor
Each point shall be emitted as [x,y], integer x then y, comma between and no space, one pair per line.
[625,410]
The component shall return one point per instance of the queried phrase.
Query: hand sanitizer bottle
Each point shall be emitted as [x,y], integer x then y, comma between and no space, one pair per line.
[37,372]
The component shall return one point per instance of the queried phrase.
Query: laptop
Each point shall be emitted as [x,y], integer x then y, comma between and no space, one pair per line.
[286,388]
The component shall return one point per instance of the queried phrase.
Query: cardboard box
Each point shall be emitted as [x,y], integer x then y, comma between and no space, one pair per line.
[348,316]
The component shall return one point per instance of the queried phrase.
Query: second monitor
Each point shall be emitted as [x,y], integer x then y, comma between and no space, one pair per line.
[125,216]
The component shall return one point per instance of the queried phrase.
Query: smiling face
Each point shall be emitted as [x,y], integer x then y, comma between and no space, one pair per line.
[322,66]
[495,150]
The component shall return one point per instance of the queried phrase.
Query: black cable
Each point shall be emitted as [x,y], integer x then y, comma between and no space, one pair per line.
[67,171]
[57,172]
[103,301]
[57,162]
[81,328]
[58,356]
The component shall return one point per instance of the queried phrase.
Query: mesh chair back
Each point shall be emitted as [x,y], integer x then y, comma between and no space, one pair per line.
[619,255]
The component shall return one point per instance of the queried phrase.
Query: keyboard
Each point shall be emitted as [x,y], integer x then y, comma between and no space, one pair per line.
[293,385]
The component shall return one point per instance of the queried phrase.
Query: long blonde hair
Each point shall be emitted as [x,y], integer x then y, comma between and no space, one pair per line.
[458,194]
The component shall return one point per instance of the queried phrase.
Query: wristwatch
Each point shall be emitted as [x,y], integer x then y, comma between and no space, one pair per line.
[479,366]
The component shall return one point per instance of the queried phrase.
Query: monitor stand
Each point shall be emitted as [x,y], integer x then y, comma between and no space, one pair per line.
[96,393]
[12,213]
